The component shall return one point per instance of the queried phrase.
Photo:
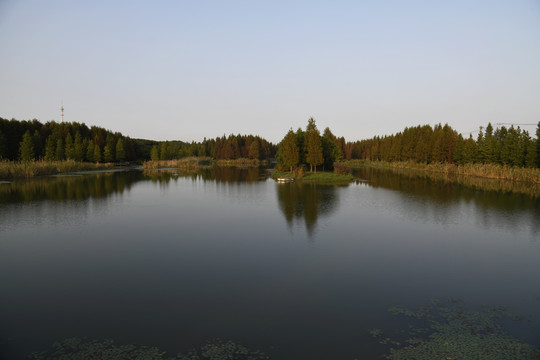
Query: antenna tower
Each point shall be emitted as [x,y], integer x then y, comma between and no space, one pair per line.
[62,112]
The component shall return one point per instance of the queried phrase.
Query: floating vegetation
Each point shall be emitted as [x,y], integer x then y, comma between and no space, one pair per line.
[76,348]
[218,350]
[456,332]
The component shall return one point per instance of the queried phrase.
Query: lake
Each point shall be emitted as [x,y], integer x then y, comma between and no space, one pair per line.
[298,271]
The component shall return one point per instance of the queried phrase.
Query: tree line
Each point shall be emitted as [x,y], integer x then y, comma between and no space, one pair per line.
[227,148]
[425,144]
[32,140]
[28,140]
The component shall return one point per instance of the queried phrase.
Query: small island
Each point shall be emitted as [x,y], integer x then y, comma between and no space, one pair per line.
[303,149]
[325,177]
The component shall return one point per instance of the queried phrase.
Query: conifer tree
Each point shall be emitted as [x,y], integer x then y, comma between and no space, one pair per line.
[69,149]
[108,154]
[89,156]
[38,144]
[538,146]
[120,152]
[290,155]
[26,148]
[301,144]
[458,153]
[60,153]
[78,147]
[314,154]
[3,146]
[469,151]
[331,152]
[532,154]
[154,153]
[97,153]
[254,152]
[50,148]
[111,143]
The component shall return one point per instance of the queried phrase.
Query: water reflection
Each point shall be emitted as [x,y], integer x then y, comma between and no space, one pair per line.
[219,174]
[305,201]
[60,188]
[439,198]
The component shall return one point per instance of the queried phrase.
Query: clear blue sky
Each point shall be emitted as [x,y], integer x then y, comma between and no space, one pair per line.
[188,69]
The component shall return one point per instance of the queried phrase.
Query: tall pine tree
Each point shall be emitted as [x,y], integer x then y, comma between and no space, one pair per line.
[290,155]
[26,148]
[314,153]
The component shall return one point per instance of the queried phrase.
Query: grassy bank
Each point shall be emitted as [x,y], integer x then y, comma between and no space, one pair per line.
[488,171]
[324,177]
[16,169]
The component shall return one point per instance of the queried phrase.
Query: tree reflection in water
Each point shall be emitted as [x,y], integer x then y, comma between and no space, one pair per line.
[308,201]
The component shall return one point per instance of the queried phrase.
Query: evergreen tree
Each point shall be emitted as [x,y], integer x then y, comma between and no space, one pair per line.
[290,155]
[60,153]
[314,154]
[26,148]
[538,146]
[50,148]
[3,146]
[97,153]
[120,152]
[480,145]
[532,154]
[458,153]
[201,150]
[111,143]
[78,148]
[331,152]
[469,151]
[108,154]
[489,146]
[38,144]
[301,144]
[254,152]
[90,149]
[69,149]
[154,153]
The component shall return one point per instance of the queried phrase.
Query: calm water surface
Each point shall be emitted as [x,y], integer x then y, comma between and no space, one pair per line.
[298,271]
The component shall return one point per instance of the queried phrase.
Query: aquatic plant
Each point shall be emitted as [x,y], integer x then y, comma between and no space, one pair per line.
[84,349]
[456,332]
[76,348]
[219,350]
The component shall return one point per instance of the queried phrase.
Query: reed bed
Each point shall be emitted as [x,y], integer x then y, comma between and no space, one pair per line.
[488,171]
[242,162]
[28,169]
[191,163]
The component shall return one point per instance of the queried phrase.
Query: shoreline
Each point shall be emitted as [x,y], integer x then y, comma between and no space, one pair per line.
[485,171]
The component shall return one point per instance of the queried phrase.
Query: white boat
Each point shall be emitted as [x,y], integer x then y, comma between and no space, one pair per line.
[283,180]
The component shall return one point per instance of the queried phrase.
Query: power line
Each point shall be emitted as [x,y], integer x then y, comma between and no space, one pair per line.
[513,124]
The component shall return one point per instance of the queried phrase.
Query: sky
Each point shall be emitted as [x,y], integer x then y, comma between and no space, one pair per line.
[185,70]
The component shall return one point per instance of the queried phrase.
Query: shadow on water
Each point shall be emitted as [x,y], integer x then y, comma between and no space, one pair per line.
[306,201]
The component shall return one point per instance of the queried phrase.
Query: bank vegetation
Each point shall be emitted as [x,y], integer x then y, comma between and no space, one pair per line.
[27,169]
